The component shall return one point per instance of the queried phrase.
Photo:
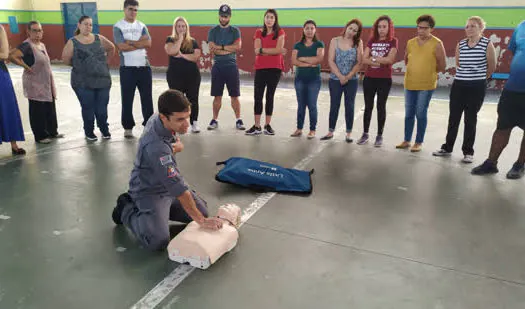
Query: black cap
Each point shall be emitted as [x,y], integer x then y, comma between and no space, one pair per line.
[225,10]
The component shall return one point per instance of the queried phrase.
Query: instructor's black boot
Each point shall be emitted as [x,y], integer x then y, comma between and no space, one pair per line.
[122,200]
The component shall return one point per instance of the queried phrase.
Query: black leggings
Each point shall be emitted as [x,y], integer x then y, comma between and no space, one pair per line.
[371,86]
[189,84]
[269,79]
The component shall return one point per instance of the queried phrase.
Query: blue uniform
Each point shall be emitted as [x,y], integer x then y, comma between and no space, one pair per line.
[155,184]
[516,81]
[511,107]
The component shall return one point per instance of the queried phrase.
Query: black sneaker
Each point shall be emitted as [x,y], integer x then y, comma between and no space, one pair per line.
[268,130]
[122,201]
[91,137]
[488,167]
[517,171]
[214,124]
[240,125]
[254,130]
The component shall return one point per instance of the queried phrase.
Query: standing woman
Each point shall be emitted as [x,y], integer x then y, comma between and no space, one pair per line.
[307,57]
[90,78]
[344,58]
[38,83]
[183,73]
[475,63]
[424,58]
[269,64]
[380,54]
[11,129]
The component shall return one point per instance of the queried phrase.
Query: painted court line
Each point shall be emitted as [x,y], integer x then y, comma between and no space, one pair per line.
[166,286]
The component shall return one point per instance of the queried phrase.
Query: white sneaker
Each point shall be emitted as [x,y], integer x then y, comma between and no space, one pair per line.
[468,159]
[195,127]
[128,133]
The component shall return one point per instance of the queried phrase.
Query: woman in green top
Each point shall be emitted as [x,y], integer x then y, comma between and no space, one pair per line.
[307,56]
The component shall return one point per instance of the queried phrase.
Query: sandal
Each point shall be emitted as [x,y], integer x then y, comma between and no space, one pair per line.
[18,151]
[297,133]
[327,137]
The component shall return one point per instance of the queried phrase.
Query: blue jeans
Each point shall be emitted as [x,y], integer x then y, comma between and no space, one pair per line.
[416,106]
[307,92]
[94,104]
[336,92]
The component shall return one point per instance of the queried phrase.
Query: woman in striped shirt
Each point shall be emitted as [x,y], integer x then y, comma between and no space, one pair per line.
[475,63]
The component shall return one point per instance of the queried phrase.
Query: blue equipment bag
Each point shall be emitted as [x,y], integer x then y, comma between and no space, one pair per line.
[265,177]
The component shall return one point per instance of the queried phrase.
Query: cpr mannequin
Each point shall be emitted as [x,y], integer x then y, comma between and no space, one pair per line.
[202,247]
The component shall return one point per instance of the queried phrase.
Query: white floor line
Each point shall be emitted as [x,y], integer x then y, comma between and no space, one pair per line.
[154,297]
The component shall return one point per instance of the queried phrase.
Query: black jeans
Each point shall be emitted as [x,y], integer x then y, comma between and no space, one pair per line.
[269,79]
[189,83]
[371,86]
[467,97]
[43,119]
[130,79]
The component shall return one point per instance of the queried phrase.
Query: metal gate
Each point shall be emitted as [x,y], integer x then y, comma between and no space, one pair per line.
[72,12]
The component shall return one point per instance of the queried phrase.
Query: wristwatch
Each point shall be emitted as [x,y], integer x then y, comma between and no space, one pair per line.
[222,47]
[260,51]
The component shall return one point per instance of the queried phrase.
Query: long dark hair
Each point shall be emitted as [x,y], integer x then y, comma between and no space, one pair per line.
[276,28]
[303,38]
[375,31]
[81,20]
[357,37]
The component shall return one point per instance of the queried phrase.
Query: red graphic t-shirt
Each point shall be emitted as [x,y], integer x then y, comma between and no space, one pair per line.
[380,49]
[268,61]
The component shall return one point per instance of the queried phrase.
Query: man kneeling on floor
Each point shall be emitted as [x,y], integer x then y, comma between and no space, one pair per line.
[157,191]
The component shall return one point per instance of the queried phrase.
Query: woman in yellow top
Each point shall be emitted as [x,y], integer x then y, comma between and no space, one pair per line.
[424,59]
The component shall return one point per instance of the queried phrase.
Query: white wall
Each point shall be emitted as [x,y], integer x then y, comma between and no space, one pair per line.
[214,4]
[17,4]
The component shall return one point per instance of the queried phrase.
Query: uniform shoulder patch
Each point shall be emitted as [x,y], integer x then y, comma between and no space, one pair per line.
[166,160]
[171,170]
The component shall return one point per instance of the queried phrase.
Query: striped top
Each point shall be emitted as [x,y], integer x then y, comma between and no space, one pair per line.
[472,60]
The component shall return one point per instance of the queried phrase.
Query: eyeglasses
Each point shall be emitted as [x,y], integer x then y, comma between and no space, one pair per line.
[133,10]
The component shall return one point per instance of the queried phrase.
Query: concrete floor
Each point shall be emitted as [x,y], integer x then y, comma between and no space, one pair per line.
[383,228]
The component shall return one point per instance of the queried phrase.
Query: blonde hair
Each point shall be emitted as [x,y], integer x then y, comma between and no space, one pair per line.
[481,23]
[188,40]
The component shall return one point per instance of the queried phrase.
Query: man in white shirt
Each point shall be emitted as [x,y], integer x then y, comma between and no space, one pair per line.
[132,38]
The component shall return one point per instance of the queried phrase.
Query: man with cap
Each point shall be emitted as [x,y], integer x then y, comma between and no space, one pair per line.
[224,40]
[157,191]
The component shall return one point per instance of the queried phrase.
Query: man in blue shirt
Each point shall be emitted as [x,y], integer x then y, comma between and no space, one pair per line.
[132,39]
[224,40]
[511,110]
[157,191]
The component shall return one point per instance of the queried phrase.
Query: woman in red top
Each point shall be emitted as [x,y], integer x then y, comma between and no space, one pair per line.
[269,64]
[379,56]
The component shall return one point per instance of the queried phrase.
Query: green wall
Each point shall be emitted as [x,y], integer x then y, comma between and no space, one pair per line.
[503,17]
[22,16]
